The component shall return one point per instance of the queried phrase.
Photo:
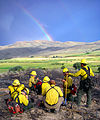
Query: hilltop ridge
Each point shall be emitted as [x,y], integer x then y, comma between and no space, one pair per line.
[44,47]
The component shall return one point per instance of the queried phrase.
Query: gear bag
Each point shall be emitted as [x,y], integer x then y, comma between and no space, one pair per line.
[13,107]
[38,87]
[89,82]
[73,89]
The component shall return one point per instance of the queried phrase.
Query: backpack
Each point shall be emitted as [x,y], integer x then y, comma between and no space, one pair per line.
[38,87]
[73,89]
[13,107]
[89,82]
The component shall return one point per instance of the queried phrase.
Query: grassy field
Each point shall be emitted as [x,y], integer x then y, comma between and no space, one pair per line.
[50,63]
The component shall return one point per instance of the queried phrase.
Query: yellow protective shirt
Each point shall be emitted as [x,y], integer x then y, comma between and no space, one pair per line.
[82,73]
[44,85]
[32,80]
[22,99]
[67,84]
[52,94]
[15,90]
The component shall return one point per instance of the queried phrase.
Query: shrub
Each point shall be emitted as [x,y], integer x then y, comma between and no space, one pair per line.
[99,69]
[62,67]
[32,56]
[77,65]
[16,68]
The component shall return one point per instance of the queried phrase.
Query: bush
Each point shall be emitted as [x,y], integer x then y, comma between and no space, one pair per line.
[62,67]
[99,69]
[32,56]
[16,68]
[77,65]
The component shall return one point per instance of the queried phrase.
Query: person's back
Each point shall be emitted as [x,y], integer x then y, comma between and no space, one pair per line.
[53,97]
[52,94]
[14,90]
[19,92]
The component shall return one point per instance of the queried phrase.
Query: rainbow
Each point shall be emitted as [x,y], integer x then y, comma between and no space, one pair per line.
[37,23]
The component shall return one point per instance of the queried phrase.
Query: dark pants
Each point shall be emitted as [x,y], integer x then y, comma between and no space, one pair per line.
[69,96]
[81,92]
[32,88]
[38,89]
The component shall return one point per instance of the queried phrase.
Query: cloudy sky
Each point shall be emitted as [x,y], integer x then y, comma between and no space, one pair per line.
[58,20]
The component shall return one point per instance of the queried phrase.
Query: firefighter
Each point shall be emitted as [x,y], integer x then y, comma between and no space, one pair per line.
[19,93]
[53,97]
[82,89]
[67,86]
[45,83]
[33,81]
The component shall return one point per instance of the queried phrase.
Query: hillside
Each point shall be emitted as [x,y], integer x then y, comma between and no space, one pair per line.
[45,48]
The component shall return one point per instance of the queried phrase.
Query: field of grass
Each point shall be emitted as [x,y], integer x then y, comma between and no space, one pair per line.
[50,63]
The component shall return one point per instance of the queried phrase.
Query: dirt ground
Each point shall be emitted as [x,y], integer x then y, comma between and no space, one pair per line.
[38,113]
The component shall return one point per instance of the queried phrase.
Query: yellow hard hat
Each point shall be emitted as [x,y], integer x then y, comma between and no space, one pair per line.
[46,79]
[33,73]
[65,70]
[16,82]
[83,61]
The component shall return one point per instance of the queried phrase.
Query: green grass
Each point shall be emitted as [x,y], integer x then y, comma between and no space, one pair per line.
[50,63]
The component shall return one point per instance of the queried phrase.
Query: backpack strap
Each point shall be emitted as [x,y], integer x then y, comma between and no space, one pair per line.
[17,95]
[14,91]
[87,71]
[50,89]
[18,98]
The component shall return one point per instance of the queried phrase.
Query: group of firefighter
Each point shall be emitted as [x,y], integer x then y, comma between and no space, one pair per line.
[53,97]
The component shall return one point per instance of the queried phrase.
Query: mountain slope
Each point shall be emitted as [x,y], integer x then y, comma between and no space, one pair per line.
[42,48]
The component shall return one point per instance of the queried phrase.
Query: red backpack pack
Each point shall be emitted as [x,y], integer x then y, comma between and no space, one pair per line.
[74,89]
[13,107]
[39,82]
[38,87]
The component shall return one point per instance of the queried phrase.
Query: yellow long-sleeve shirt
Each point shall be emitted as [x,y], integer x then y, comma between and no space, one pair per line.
[67,84]
[22,99]
[52,95]
[32,80]
[16,92]
[44,85]
[82,73]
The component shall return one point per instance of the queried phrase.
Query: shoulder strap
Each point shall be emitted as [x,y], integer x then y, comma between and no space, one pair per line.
[14,91]
[18,98]
[87,71]
[50,89]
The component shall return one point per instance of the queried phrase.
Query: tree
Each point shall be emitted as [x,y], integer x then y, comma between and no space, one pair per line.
[99,69]
[77,65]
[16,68]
